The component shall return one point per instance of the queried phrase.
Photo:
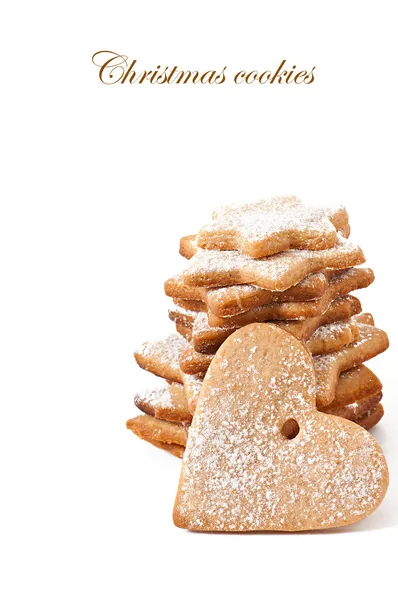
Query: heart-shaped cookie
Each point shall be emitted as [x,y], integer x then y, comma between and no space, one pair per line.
[240,470]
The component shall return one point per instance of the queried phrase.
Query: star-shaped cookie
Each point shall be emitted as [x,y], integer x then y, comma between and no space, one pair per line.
[271,226]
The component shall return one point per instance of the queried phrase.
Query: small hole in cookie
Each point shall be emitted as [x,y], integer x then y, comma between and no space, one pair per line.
[290,429]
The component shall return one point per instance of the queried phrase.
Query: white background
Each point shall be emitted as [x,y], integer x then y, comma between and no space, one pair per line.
[99,183]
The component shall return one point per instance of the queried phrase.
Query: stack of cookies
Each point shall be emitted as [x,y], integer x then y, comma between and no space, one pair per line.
[277,261]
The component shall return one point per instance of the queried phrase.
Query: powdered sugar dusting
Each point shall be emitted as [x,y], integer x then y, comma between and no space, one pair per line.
[327,338]
[159,397]
[166,351]
[309,288]
[240,473]
[332,331]
[371,341]
[166,402]
[183,315]
[279,214]
[212,336]
[192,389]
[268,226]
[276,273]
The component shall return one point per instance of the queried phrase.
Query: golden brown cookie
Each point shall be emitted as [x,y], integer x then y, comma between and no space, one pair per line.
[166,402]
[162,434]
[183,316]
[173,436]
[366,318]
[194,305]
[236,299]
[354,385]
[367,413]
[162,357]
[192,388]
[333,337]
[357,413]
[371,342]
[233,299]
[326,339]
[192,362]
[208,339]
[240,473]
[214,268]
[340,285]
[355,410]
[188,246]
[174,449]
[373,417]
[186,332]
[151,403]
[271,226]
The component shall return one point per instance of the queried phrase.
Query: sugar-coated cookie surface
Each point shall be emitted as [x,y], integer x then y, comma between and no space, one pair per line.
[327,338]
[355,384]
[273,225]
[166,402]
[334,386]
[162,434]
[240,473]
[355,410]
[371,342]
[234,299]
[340,284]
[162,357]
[367,413]
[372,417]
[277,273]
[207,338]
